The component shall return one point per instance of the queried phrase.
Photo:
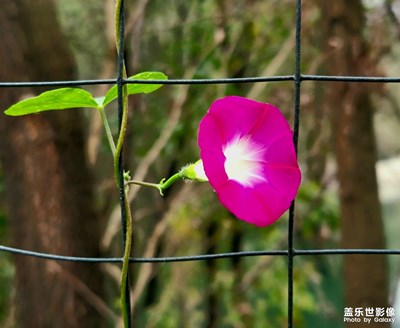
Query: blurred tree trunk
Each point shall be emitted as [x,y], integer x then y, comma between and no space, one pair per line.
[47,184]
[365,276]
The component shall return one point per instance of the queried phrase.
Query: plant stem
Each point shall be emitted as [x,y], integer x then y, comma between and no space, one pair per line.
[127,220]
[168,183]
[160,186]
[108,130]
[143,184]
[125,263]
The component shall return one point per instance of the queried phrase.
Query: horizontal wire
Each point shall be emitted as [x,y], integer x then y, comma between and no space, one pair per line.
[279,78]
[49,256]
[152,81]
[303,252]
[209,256]
[350,251]
[348,78]
[56,83]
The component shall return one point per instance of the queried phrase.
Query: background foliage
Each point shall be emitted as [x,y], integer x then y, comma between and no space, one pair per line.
[213,39]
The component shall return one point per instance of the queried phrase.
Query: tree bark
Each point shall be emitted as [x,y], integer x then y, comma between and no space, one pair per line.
[365,276]
[47,183]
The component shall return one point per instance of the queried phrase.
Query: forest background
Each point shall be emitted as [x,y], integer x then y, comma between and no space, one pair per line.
[57,192]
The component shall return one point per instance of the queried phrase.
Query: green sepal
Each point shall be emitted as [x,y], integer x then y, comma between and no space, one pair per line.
[194,172]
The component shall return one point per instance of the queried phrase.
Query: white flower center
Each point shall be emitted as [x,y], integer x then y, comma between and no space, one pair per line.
[243,161]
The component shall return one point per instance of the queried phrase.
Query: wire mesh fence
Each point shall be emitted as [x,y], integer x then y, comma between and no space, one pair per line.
[296,78]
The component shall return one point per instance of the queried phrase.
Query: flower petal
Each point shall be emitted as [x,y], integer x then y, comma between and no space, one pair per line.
[210,133]
[270,127]
[235,116]
[284,179]
[281,152]
[213,162]
[261,206]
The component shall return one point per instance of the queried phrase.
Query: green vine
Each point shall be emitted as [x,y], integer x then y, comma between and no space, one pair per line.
[117,168]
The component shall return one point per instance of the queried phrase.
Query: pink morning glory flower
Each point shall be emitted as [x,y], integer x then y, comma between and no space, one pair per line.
[248,156]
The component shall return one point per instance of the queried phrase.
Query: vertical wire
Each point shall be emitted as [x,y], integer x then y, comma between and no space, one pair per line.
[120,84]
[297,83]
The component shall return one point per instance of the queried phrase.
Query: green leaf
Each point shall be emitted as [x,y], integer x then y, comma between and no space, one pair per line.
[53,100]
[136,88]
